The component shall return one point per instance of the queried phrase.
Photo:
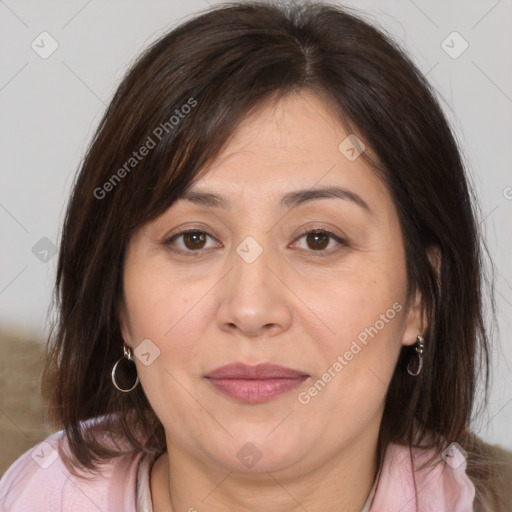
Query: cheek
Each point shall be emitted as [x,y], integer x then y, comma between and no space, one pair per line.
[355,366]
[171,315]
[364,312]
[367,299]
[159,305]
[171,318]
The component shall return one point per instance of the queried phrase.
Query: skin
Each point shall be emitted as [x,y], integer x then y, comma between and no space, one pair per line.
[295,305]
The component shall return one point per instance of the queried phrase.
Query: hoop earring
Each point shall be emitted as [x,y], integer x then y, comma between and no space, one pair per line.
[418,348]
[127,355]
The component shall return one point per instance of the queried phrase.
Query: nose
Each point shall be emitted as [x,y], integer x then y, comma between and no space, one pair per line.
[255,300]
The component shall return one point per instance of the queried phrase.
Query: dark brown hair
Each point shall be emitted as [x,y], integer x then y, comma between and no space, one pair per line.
[221,65]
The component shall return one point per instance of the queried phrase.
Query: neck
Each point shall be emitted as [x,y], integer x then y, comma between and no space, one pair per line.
[342,482]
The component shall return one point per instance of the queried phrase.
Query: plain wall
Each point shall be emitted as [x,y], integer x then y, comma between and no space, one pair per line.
[51,106]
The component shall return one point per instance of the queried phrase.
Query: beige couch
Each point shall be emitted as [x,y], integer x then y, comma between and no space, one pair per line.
[22,415]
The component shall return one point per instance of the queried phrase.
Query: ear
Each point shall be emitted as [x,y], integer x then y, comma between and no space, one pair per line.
[416,321]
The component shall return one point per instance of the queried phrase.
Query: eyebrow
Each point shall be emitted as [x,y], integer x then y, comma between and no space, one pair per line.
[288,201]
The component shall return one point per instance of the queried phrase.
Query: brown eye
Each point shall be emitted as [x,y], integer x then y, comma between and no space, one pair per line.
[321,241]
[317,240]
[191,243]
[194,240]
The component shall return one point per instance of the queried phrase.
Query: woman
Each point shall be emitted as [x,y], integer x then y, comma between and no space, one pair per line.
[269,284]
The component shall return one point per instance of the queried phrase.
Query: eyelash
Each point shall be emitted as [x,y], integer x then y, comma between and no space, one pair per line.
[167,243]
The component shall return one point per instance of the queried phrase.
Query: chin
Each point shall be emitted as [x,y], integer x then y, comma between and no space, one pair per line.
[260,453]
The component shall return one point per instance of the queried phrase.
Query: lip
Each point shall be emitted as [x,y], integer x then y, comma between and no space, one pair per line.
[255,384]
[259,371]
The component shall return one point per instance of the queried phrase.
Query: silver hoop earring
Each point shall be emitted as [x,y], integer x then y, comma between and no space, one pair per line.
[418,348]
[127,356]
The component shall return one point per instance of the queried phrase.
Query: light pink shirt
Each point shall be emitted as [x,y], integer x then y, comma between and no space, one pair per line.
[39,481]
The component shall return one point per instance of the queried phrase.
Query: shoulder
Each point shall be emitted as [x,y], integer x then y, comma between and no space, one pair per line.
[39,480]
[406,484]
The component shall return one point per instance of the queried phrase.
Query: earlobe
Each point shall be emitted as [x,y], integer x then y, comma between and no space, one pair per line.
[415,321]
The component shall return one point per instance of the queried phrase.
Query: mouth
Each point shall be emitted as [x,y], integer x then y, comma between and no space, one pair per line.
[255,384]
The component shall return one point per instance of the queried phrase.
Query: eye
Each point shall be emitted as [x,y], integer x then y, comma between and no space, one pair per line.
[318,240]
[195,241]
[189,241]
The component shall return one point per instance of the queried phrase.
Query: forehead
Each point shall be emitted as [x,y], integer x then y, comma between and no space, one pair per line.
[296,143]
[295,125]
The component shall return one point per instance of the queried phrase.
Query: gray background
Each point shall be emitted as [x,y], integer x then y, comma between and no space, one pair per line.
[50,108]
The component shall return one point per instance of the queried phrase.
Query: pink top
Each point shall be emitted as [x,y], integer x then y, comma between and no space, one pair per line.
[39,481]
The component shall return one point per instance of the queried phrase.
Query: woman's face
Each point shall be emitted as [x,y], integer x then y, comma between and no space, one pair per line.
[249,285]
